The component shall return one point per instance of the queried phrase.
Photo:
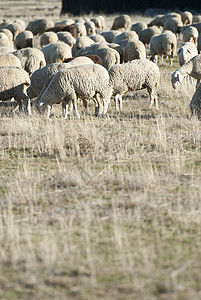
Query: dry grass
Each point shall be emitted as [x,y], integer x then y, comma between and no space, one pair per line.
[102,208]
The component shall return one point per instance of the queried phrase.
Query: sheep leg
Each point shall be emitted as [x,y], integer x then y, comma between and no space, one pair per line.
[100,104]
[117,102]
[153,98]
[27,106]
[48,110]
[74,101]
[65,110]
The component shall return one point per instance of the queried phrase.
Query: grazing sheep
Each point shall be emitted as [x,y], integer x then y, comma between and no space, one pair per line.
[109,56]
[31,59]
[80,43]
[163,44]
[24,39]
[186,52]
[84,82]
[132,76]
[121,22]
[195,104]
[42,77]
[109,35]
[39,26]
[15,28]
[14,82]
[186,17]
[47,38]
[56,52]
[125,35]
[99,23]
[9,60]
[191,68]
[190,34]
[137,27]
[135,49]
[145,35]
[80,29]
[173,24]
[97,38]
[90,28]
[67,38]
[160,19]
[69,28]
[8,33]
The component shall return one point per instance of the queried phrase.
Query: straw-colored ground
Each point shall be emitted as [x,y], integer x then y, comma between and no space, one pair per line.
[102,208]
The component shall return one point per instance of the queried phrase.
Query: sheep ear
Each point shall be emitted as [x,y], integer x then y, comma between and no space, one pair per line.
[179,51]
[188,51]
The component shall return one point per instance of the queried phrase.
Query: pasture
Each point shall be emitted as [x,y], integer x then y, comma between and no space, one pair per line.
[103,208]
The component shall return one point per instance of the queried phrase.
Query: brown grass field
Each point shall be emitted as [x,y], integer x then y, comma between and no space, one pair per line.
[103,208]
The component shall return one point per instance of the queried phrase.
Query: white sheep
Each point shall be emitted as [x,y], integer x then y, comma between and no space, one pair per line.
[9,60]
[15,28]
[81,42]
[190,34]
[163,44]
[195,104]
[132,76]
[145,35]
[31,59]
[173,24]
[56,52]
[137,27]
[90,28]
[67,38]
[84,82]
[14,82]
[24,39]
[125,35]
[47,38]
[80,29]
[42,77]
[134,49]
[109,35]
[121,22]
[99,23]
[109,56]
[39,26]
[187,17]
[186,52]
[191,68]
[8,33]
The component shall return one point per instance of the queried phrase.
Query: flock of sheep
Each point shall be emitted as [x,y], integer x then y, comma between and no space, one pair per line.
[79,59]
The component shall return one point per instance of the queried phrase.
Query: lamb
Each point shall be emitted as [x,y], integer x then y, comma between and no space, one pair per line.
[186,52]
[42,77]
[14,82]
[163,44]
[195,104]
[145,35]
[9,60]
[135,49]
[173,24]
[125,35]
[24,39]
[191,68]
[56,52]
[137,27]
[47,38]
[84,82]
[31,59]
[190,34]
[137,74]
[39,26]
[121,22]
